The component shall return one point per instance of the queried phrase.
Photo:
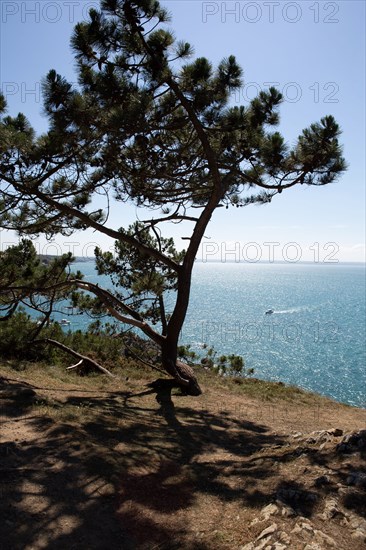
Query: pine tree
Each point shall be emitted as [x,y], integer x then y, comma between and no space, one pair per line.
[151,125]
[26,279]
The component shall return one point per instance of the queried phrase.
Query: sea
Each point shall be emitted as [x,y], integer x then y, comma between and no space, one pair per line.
[315,338]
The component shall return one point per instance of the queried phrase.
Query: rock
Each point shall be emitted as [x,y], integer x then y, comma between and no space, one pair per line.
[343,490]
[264,544]
[331,510]
[313,546]
[357,478]
[319,437]
[310,497]
[284,537]
[270,510]
[300,451]
[256,546]
[357,522]
[353,442]
[359,535]
[278,546]
[297,529]
[335,432]
[293,495]
[286,511]
[323,538]
[268,531]
[307,527]
[321,481]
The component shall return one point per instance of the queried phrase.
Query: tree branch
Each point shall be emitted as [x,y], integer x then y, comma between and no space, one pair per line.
[82,358]
[108,299]
[110,302]
[83,217]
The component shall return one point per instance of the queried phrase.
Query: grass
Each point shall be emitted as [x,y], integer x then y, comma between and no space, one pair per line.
[62,412]
[53,379]
[260,389]
[128,370]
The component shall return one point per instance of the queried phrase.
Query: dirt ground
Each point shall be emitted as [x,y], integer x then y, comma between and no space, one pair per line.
[86,464]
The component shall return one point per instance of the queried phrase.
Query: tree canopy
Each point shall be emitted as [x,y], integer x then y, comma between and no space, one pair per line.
[149,124]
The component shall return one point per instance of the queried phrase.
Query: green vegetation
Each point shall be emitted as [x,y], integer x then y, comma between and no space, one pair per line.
[232,365]
[101,344]
[16,342]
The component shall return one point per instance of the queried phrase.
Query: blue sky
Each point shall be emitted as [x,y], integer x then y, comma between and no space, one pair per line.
[313,51]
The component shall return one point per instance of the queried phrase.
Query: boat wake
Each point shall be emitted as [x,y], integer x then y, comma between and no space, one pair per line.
[298,309]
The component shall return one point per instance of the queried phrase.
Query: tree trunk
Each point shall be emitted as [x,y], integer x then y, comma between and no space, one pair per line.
[182,372]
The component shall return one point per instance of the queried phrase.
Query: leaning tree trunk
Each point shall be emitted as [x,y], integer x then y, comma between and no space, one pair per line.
[182,372]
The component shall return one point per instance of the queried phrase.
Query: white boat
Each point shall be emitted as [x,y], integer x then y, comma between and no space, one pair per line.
[269,311]
[65,322]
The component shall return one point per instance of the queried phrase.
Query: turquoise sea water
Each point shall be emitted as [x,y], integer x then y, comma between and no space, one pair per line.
[315,338]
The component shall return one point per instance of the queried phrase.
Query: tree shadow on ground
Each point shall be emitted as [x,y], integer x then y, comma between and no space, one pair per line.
[349,471]
[129,471]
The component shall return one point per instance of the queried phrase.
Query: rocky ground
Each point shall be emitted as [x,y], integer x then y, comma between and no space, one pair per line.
[96,464]
[341,511]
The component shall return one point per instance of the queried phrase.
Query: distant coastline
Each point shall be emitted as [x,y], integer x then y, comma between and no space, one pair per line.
[46,258]
[86,259]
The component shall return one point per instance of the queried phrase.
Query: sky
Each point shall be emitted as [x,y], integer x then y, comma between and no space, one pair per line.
[313,52]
